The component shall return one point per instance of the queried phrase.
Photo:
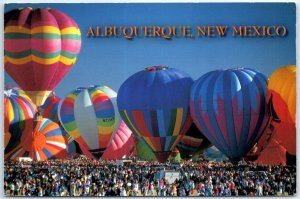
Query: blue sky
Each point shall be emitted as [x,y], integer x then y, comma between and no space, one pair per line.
[110,61]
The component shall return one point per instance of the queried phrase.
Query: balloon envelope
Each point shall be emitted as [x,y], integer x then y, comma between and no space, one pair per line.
[75,149]
[90,116]
[121,145]
[17,109]
[192,142]
[50,107]
[229,107]
[144,152]
[273,154]
[40,47]
[282,92]
[154,105]
[213,154]
[43,141]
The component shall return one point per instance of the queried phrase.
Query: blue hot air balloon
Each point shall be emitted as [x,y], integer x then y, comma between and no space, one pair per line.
[230,109]
[154,104]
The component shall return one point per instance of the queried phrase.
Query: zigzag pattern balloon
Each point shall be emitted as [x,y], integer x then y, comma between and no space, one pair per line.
[230,109]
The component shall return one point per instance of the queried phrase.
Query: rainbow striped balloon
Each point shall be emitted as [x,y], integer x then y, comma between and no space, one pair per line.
[42,141]
[39,45]
[91,117]
[17,109]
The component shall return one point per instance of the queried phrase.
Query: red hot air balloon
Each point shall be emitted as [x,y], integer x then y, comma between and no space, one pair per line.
[49,108]
[273,154]
[40,47]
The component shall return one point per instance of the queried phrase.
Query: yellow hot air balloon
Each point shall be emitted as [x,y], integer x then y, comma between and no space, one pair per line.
[282,92]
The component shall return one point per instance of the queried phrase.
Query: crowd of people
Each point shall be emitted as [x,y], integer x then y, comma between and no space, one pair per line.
[86,177]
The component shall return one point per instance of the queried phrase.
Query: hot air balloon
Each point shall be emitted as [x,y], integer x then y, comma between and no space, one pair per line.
[49,108]
[192,142]
[42,141]
[175,155]
[121,145]
[154,103]
[213,154]
[74,148]
[40,47]
[273,154]
[90,116]
[18,108]
[282,93]
[143,151]
[230,109]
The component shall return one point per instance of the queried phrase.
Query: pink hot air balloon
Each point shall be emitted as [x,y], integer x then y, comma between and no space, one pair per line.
[121,145]
[40,47]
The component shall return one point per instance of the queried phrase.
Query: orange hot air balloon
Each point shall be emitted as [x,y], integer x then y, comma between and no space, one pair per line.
[282,92]
[43,141]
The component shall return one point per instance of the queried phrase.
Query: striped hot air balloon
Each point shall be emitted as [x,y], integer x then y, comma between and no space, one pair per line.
[40,47]
[43,141]
[18,110]
[154,103]
[121,145]
[230,109]
[50,107]
[192,143]
[91,117]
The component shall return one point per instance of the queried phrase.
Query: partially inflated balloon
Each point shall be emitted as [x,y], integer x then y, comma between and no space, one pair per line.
[40,47]
[91,117]
[154,103]
[273,154]
[192,142]
[282,92]
[18,108]
[74,148]
[121,145]
[50,107]
[175,155]
[230,109]
[42,141]
[213,154]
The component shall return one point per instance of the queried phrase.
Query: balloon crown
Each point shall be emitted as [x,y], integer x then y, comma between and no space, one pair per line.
[91,87]
[231,69]
[8,93]
[155,68]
